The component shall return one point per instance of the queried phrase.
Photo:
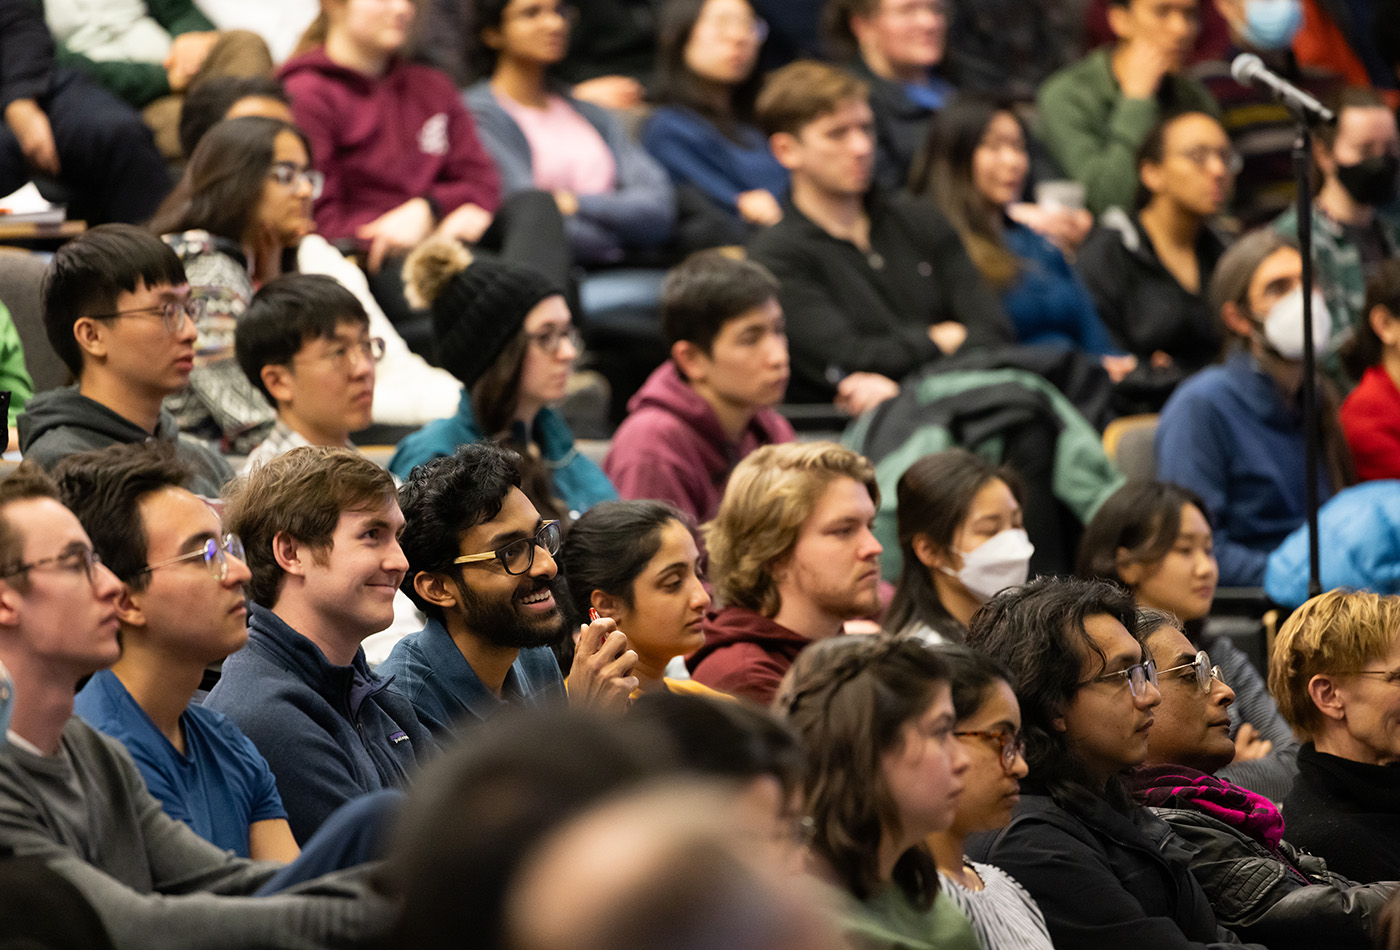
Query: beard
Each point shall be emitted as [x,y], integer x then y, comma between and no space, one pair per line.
[500,621]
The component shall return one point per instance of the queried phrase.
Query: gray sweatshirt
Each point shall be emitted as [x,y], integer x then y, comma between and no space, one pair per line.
[155,883]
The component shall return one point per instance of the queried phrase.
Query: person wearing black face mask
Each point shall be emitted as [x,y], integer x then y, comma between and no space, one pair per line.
[1357,162]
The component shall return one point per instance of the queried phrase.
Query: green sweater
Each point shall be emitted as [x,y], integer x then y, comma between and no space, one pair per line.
[135,82]
[1093,131]
[888,921]
[14,376]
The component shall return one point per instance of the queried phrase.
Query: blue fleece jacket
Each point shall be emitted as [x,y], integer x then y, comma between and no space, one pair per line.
[578,482]
[330,733]
[695,152]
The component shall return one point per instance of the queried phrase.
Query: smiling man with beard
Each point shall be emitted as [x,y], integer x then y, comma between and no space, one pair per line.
[481,566]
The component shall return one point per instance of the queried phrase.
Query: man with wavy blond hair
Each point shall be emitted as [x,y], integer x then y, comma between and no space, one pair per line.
[1335,672]
[792,557]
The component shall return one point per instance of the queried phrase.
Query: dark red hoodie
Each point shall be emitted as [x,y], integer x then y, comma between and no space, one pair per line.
[383,140]
[745,654]
[671,445]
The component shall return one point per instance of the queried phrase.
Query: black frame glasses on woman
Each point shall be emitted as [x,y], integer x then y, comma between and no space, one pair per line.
[1138,676]
[215,553]
[519,556]
[1011,744]
[1204,671]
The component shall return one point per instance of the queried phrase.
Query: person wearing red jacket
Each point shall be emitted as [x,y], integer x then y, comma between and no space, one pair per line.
[1371,414]
[710,404]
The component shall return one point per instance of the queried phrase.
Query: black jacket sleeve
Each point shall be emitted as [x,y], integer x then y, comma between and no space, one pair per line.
[26,51]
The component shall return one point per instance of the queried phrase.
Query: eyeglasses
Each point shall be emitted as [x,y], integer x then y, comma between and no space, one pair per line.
[172,313]
[1011,744]
[735,24]
[290,175]
[215,553]
[346,356]
[538,10]
[519,556]
[78,559]
[550,340]
[1391,676]
[1138,676]
[1204,671]
[1202,154]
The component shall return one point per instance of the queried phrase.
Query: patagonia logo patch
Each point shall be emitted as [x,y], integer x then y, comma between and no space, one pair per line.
[397,737]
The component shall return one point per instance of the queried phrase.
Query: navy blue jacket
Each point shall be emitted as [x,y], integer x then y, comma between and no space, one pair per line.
[330,733]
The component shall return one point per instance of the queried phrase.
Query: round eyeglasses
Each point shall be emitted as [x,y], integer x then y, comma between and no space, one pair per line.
[1011,744]
[215,553]
[83,560]
[291,175]
[1138,676]
[519,556]
[172,313]
[348,356]
[1203,670]
[549,341]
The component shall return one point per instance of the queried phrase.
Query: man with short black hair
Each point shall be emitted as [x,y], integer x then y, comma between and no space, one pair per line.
[320,528]
[702,411]
[481,566]
[304,343]
[118,311]
[71,798]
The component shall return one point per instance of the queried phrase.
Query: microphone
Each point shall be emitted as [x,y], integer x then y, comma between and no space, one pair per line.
[1249,70]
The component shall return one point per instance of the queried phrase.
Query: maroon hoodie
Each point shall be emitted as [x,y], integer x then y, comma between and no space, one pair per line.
[671,445]
[745,654]
[383,140]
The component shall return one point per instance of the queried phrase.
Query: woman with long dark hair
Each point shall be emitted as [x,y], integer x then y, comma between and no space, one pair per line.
[951,506]
[884,771]
[702,130]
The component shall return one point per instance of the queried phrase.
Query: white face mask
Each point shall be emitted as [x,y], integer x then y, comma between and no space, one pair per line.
[1283,325]
[1002,561]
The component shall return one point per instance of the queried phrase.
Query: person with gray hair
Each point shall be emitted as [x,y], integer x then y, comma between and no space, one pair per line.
[1233,433]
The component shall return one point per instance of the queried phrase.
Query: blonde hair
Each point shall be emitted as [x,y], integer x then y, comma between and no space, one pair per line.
[1334,633]
[770,495]
[803,92]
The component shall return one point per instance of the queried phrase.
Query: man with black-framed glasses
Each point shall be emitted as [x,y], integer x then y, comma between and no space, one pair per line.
[481,566]
[1258,884]
[118,311]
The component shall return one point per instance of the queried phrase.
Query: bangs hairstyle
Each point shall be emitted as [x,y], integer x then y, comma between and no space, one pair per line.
[301,494]
[1365,348]
[849,698]
[676,85]
[26,482]
[610,545]
[105,488]
[88,273]
[1038,632]
[770,496]
[223,183]
[933,498]
[803,91]
[445,498]
[1142,518]
[943,172]
[1335,633]
[707,290]
[286,314]
[971,676]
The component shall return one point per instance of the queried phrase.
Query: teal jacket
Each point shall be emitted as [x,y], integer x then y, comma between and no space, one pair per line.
[577,481]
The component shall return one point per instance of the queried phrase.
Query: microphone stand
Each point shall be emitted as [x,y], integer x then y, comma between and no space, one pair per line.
[1302,172]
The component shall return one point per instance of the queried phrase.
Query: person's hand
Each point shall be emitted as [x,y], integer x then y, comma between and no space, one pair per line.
[466,223]
[396,230]
[601,674]
[1118,367]
[949,336]
[1144,63]
[1248,745]
[610,92]
[759,207]
[567,203]
[859,392]
[186,57]
[35,136]
[1066,228]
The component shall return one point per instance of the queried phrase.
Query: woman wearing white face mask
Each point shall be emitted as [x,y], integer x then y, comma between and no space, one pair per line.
[961,535]
[1233,433]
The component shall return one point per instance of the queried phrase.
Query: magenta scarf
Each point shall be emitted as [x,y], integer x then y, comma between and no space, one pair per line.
[1175,786]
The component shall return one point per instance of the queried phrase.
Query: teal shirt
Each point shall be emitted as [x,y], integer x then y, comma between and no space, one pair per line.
[888,921]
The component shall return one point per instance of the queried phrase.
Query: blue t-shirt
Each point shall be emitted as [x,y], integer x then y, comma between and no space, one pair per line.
[219,787]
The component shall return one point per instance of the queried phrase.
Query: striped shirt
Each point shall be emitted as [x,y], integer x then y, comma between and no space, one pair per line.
[1002,913]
